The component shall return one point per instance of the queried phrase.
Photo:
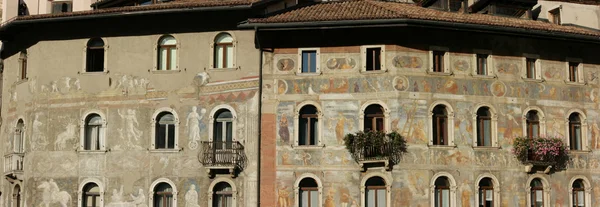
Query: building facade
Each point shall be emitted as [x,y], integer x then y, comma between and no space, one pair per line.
[248,103]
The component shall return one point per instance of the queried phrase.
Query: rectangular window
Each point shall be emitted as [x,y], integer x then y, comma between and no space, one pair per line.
[439,131]
[575,134]
[373,59]
[484,133]
[309,61]
[438,61]
[482,64]
[573,72]
[62,7]
[95,59]
[555,16]
[531,68]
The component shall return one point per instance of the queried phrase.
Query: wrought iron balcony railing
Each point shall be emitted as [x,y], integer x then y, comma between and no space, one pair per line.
[374,154]
[222,155]
[13,163]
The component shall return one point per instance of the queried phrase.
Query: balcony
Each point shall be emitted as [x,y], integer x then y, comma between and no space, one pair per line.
[13,165]
[222,157]
[374,156]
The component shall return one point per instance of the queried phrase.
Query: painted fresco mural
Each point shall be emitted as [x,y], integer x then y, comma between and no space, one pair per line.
[408,97]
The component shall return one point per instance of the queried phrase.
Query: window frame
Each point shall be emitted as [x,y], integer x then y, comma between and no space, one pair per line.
[319,116]
[490,73]
[81,191]
[493,128]
[17,195]
[444,68]
[541,121]
[101,134]
[158,56]
[23,56]
[211,128]
[297,189]
[545,190]
[386,115]
[532,60]
[449,124]
[579,78]
[68,3]
[153,187]
[382,53]
[496,188]
[583,128]
[554,15]
[433,188]
[363,187]
[214,183]
[317,61]
[19,146]
[154,121]
[86,52]
[212,56]
[587,190]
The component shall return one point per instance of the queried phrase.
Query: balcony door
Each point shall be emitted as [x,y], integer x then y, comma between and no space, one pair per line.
[223,129]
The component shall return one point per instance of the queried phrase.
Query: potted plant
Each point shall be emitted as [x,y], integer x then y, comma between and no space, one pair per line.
[375,145]
[540,151]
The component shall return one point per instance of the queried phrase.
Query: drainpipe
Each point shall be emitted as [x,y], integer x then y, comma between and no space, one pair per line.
[260,83]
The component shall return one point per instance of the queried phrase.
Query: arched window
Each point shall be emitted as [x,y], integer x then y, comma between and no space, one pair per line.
[440,125]
[163,195]
[537,193]
[91,195]
[167,53]
[222,195]
[575,132]
[375,192]
[308,193]
[484,127]
[223,54]
[95,55]
[16,197]
[374,118]
[23,65]
[18,145]
[578,193]
[442,192]
[308,125]
[93,132]
[165,131]
[486,193]
[532,124]
[223,129]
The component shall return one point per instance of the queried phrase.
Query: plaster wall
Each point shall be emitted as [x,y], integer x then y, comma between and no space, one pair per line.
[58,93]
[571,13]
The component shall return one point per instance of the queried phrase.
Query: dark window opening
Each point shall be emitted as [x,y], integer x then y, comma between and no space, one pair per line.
[438,61]
[308,125]
[375,192]
[484,127]
[531,70]
[482,66]
[165,131]
[442,192]
[486,193]
[440,125]
[309,61]
[373,59]
[95,55]
[575,132]
[163,195]
[374,118]
[533,124]
[573,72]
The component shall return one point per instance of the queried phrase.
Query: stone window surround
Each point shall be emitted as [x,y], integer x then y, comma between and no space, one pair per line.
[23,135]
[541,117]
[156,55]
[496,188]
[490,61]
[102,138]
[212,52]
[212,121]
[297,188]
[363,58]
[547,189]
[83,184]
[153,130]
[538,68]
[386,113]
[297,126]
[580,75]
[388,187]
[84,62]
[587,187]
[453,187]
[447,70]
[217,181]
[155,183]
[494,125]
[318,61]
[584,129]
[450,123]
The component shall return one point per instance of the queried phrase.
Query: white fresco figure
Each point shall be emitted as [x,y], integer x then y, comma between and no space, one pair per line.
[63,137]
[139,200]
[130,125]
[38,138]
[52,194]
[191,197]
[77,84]
[193,124]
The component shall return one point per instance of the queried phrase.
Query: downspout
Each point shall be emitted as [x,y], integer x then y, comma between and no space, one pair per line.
[260,83]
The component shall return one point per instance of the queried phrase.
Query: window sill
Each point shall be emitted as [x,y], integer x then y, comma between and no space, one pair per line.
[477,76]
[223,69]
[91,151]
[440,73]
[164,71]
[484,148]
[165,150]
[308,147]
[579,151]
[532,80]
[93,73]
[373,71]
[575,83]
[441,146]
[318,73]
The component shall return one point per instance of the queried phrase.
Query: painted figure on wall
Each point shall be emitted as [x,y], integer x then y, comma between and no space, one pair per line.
[461,65]
[52,194]
[595,136]
[191,197]
[130,124]
[37,135]
[283,200]
[193,123]
[401,83]
[329,201]
[284,131]
[63,137]
[341,63]
[339,129]
[285,64]
[281,87]
[407,62]
[139,200]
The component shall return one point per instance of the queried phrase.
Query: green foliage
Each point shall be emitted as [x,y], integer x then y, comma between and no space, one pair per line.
[391,145]
[551,151]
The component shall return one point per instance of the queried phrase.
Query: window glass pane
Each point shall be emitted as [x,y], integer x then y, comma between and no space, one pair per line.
[437,197]
[535,130]
[217,132]
[224,38]
[314,198]
[160,136]
[173,61]
[580,198]
[313,62]
[219,56]
[87,144]
[487,135]
[162,59]
[577,137]
[171,134]
[229,60]
[228,200]
[315,129]
[229,132]
[445,198]
[379,122]
[302,131]
[538,196]
[303,198]
[489,195]
[381,200]
[168,40]
[370,198]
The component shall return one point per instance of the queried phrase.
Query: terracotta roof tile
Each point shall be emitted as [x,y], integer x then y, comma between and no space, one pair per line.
[176,4]
[373,10]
